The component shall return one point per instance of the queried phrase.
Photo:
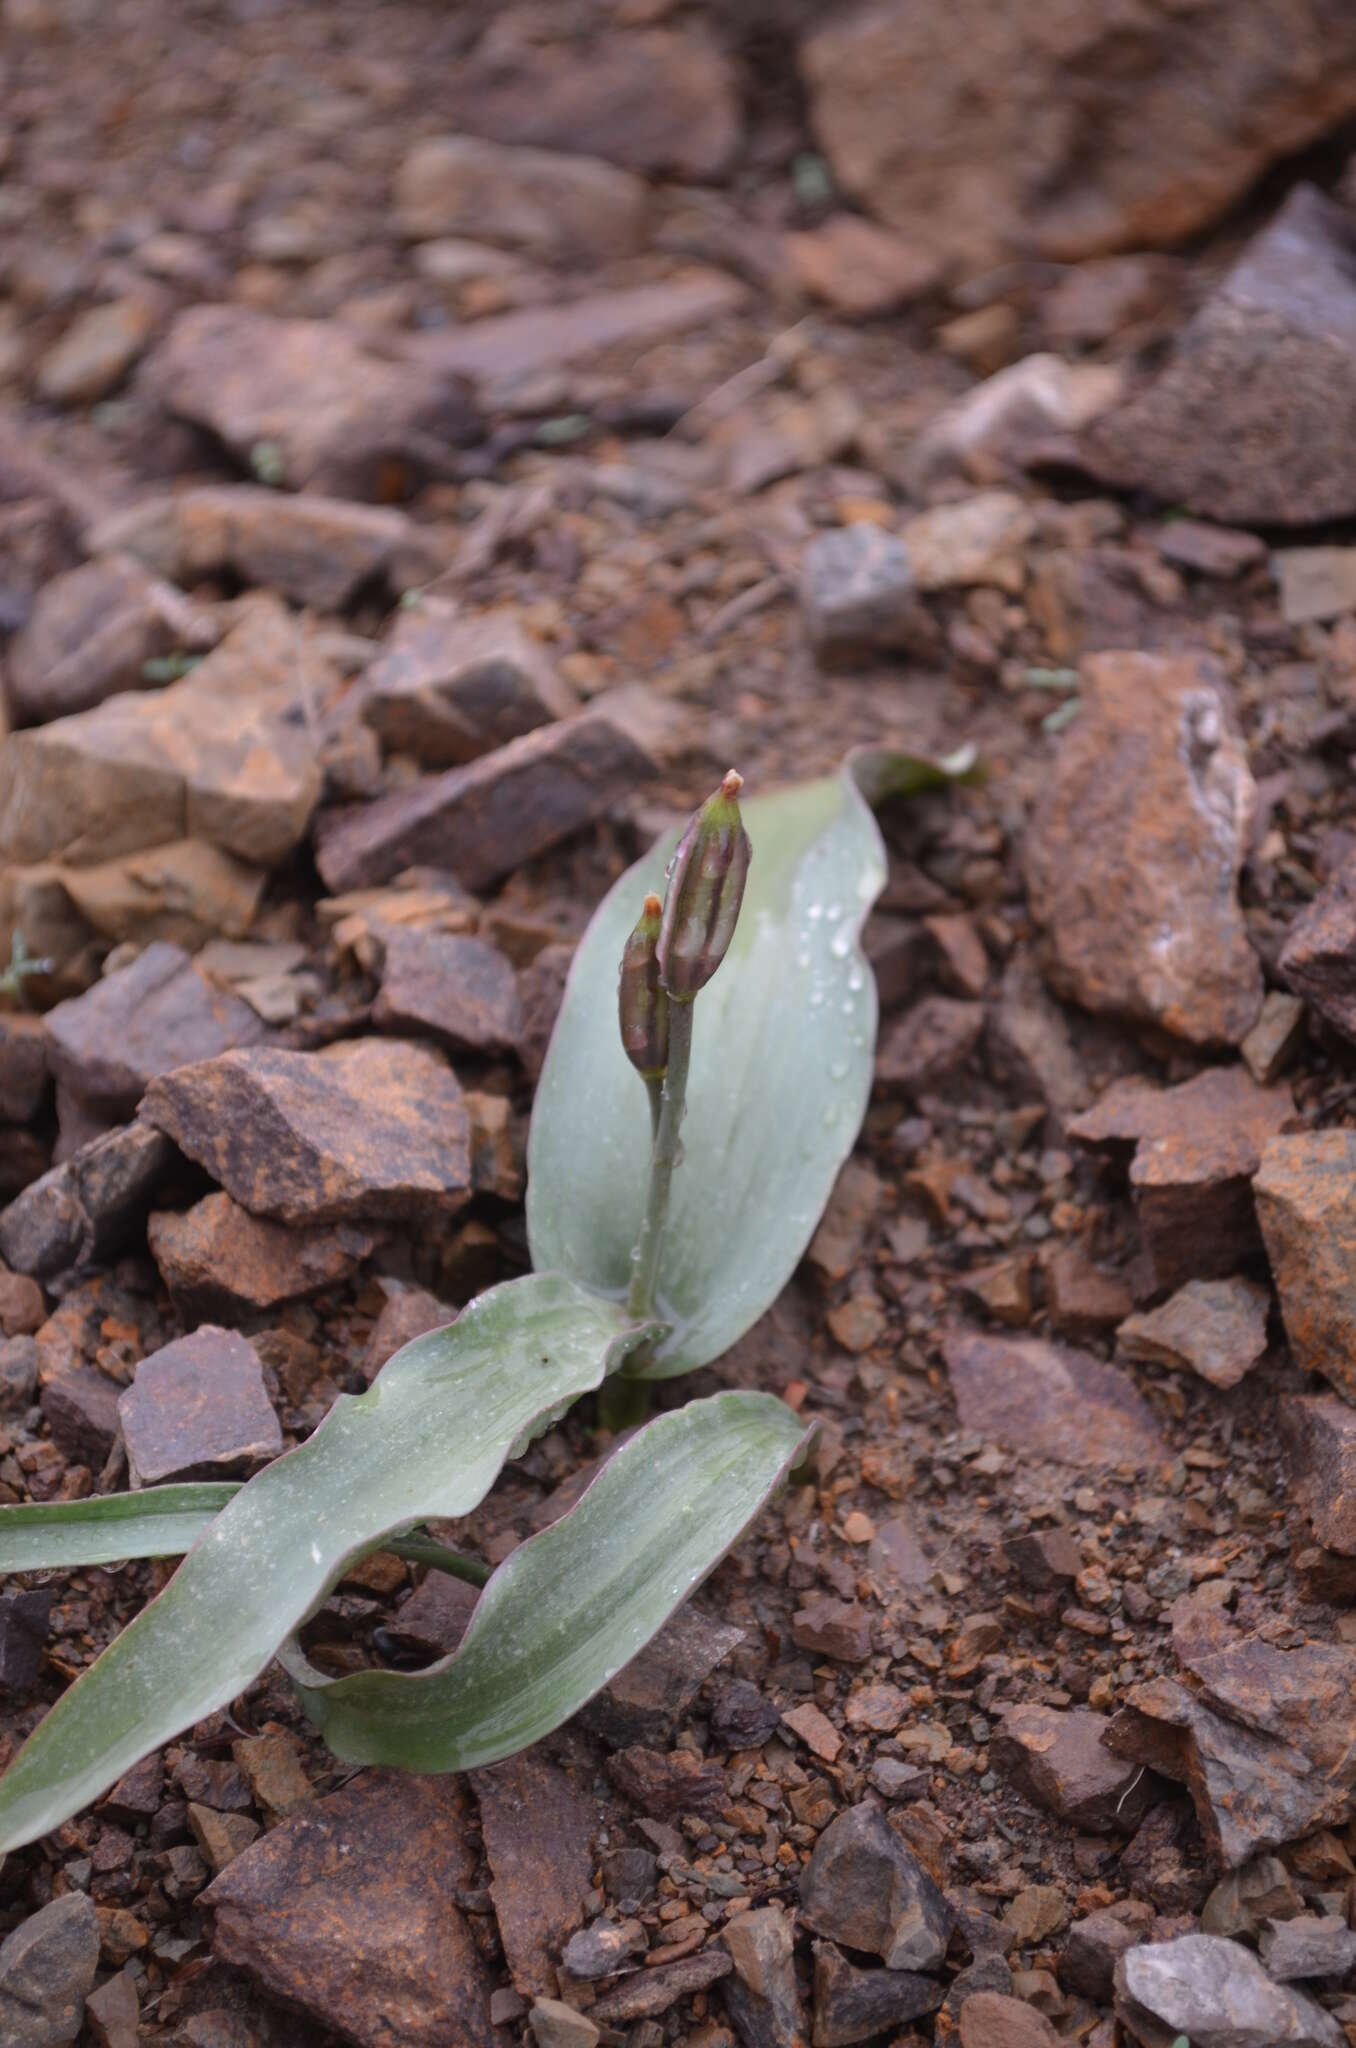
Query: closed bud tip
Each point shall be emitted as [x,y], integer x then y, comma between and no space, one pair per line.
[706,888]
[642,1005]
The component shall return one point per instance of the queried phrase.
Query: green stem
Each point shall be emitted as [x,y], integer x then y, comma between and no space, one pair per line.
[655,1091]
[623,1403]
[640,1299]
[423,1550]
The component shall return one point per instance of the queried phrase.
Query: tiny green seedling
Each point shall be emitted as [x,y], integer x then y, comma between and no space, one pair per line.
[747,1023]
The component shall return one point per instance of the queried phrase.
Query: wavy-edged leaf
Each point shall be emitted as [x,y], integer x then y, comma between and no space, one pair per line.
[564,1613]
[164,1521]
[427,1438]
[783,1045]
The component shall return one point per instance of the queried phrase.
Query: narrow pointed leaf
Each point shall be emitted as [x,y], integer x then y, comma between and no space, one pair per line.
[571,1606]
[783,1047]
[427,1438]
[164,1521]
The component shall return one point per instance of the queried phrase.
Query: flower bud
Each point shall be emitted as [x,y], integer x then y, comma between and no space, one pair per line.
[706,888]
[642,1005]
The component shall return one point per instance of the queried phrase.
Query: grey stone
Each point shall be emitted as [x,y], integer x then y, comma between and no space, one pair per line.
[47,1968]
[85,1209]
[865,1888]
[852,2004]
[198,1409]
[858,597]
[459,990]
[446,688]
[1310,1945]
[1094,1945]
[1218,1995]
[603,1948]
[1245,1898]
[557,2025]
[646,1701]
[23,1631]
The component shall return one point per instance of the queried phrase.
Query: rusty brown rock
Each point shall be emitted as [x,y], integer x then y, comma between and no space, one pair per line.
[217,1259]
[1078,155]
[337,417]
[839,1629]
[929,1042]
[197,1409]
[1247,419]
[540,200]
[1135,848]
[648,1992]
[185,892]
[91,633]
[539,1828]
[1057,1759]
[1083,1299]
[370,1129]
[447,688]
[859,269]
[1050,1401]
[145,1019]
[865,1887]
[484,819]
[407,1313]
[1220,1100]
[1306,1204]
[87,1208]
[667,1784]
[315,550]
[24,1079]
[1217,1328]
[346,1911]
[992,2019]
[852,2004]
[1319,956]
[460,991]
[647,1699]
[1319,1435]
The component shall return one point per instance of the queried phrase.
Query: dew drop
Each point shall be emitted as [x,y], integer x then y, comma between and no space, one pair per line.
[834,912]
[802,960]
[838,1071]
[841,943]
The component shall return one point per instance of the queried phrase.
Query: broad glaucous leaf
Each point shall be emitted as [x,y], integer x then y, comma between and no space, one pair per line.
[783,1046]
[427,1438]
[163,1521]
[564,1613]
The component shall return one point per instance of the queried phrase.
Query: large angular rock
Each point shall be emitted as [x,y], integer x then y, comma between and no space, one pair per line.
[1249,418]
[198,1409]
[1306,1204]
[184,892]
[347,1912]
[447,688]
[225,755]
[1217,1328]
[217,1259]
[334,417]
[1319,1435]
[1134,851]
[1318,959]
[369,1129]
[761,1995]
[1057,1758]
[853,2004]
[481,821]
[543,201]
[539,1830]
[865,1888]
[461,991]
[647,1699]
[1218,1995]
[1050,1401]
[314,550]
[91,633]
[1080,154]
[87,1208]
[147,1018]
[47,1968]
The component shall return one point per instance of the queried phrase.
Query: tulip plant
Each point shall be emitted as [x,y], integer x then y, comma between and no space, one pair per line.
[748,1017]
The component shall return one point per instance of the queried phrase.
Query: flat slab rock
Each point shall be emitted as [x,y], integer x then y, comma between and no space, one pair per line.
[1050,1401]
[461,991]
[1134,850]
[446,688]
[539,1829]
[217,1259]
[198,1409]
[369,1129]
[1248,419]
[346,1912]
[1218,1995]
[1057,1758]
[1216,1328]
[1305,1192]
[865,1888]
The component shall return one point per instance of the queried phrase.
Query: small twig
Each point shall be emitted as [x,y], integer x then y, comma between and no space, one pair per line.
[755,599]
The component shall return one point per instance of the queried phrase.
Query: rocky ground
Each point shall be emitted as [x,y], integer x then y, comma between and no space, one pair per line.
[398,527]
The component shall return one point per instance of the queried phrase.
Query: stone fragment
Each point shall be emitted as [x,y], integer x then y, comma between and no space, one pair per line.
[1083,1299]
[1306,1205]
[333,416]
[542,201]
[929,1042]
[18,1372]
[1134,850]
[1217,1328]
[1310,1945]
[647,1992]
[741,1716]
[1245,420]
[1269,1046]
[1008,419]
[1245,1899]
[667,1784]
[991,2019]
[23,1633]
[435,1617]
[185,892]
[857,268]
[113,2012]
[1320,949]
[91,633]
[383,1860]
[224,755]
[646,1701]
[368,1129]
[1218,1995]
[973,541]
[198,1409]
[602,1949]
[482,820]
[24,1079]
[556,2025]
[1056,1758]
[314,550]
[539,1829]
[762,1996]
[814,1729]
[147,1018]
[901,103]
[838,1629]
[1223,551]
[1316,584]
[96,351]
[216,1259]
[81,1410]
[859,599]
[47,1968]
[1050,1401]
[1095,1944]
[461,991]
[1030,1044]
[409,1312]
[220,1836]
[1045,1557]
[852,2004]
[447,688]
[1318,1432]
[865,1888]
[86,1208]
[22,1309]
[271,1763]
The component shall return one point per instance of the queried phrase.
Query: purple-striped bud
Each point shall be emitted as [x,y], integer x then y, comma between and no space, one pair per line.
[642,1004]
[706,888]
